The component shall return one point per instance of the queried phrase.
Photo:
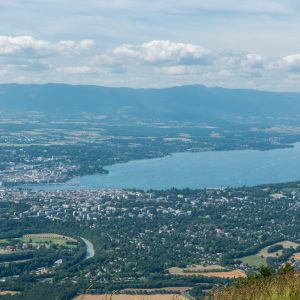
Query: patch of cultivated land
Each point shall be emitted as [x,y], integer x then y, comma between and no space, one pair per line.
[8,247]
[285,244]
[225,274]
[132,297]
[49,236]
[207,271]
[254,260]
[196,268]
[10,293]
[2,251]
[260,258]
[296,256]
[168,289]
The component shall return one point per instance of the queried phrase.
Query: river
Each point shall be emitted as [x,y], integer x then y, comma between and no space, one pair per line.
[90,251]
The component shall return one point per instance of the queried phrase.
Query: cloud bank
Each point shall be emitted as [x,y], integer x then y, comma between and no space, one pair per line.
[152,63]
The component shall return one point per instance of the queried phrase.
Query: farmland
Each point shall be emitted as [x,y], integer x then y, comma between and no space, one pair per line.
[254,260]
[132,297]
[195,269]
[49,238]
[35,242]
[260,258]
[168,289]
[6,293]
[207,271]
[285,244]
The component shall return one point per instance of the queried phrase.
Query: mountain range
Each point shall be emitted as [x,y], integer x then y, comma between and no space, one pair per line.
[183,103]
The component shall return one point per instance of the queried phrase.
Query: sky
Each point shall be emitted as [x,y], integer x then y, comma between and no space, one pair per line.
[152,43]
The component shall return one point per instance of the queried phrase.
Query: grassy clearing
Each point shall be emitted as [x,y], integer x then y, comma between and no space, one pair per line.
[180,289]
[10,293]
[132,297]
[280,287]
[261,257]
[45,239]
[207,271]
[50,238]
[285,244]
[3,251]
[254,260]
[296,256]
[195,269]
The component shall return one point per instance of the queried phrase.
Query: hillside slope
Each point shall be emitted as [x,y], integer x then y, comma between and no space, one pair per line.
[177,103]
[277,287]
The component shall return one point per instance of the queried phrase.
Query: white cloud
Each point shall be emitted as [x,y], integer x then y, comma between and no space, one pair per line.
[152,63]
[241,60]
[29,46]
[290,63]
[253,60]
[77,70]
[73,47]
[16,45]
[175,70]
[163,51]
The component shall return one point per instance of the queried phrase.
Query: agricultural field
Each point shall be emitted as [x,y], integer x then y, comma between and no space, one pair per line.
[34,242]
[254,260]
[10,293]
[51,238]
[180,289]
[285,244]
[226,274]
[132,297]
[261,257]
[207,271]
[196,269]
[296,256]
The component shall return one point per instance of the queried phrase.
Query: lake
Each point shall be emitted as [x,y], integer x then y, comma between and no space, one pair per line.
[194,170]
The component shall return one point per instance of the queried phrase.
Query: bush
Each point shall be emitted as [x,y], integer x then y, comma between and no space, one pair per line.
[285,285]
[274,248]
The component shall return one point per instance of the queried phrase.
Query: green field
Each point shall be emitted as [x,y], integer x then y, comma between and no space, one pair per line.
[38,240]
[49,240]
[43,240]
[254,260]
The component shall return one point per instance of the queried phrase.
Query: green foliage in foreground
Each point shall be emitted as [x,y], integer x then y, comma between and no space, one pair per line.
[285,285]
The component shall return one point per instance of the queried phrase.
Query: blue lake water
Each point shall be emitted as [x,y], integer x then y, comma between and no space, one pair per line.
[195,170]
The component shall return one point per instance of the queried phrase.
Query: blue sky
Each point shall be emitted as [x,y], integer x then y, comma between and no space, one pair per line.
[229,43]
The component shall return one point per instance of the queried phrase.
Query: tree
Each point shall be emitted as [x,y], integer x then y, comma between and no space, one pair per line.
[265,271]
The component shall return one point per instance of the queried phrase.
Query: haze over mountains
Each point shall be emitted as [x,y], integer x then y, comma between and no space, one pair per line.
[184,103]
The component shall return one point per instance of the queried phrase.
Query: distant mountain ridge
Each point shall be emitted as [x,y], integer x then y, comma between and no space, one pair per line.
[175,103]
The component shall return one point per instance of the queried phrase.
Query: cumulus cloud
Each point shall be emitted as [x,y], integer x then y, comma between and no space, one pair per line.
[174,70]
[241,60]
[28,54]
[162,61]
[77,70]
[181,58]
[290,63]
[29,46]
[73,47]
[164,51]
